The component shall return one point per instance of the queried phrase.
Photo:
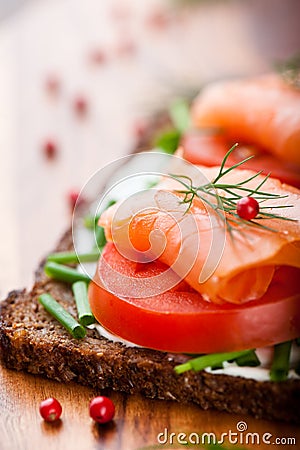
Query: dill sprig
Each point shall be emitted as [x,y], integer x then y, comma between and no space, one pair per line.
[223,197]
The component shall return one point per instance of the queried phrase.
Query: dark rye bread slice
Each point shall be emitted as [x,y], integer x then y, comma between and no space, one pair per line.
[34,342]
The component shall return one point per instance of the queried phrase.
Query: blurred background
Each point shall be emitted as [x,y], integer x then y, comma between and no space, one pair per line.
[80,79]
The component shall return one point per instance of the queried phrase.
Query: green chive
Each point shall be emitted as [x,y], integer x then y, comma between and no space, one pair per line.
[63,317]
[249,359]
[90,221]
[212,360]
[100,236]
[152,184]
[110,203]
[168,142]
[281,361]
[99,231]
[217,366]
[72,257]
[85,314]
[180,115]
[64,273]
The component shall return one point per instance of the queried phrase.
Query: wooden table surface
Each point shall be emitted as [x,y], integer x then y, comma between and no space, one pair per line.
[152,50]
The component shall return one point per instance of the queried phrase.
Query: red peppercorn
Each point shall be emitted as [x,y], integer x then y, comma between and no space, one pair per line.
[125,47]
[72,198]
[50,149]
[139,128]
[80,106]
[52,84]
[50,409]
[247,208]
[102,409]
[98,56]
[158,19]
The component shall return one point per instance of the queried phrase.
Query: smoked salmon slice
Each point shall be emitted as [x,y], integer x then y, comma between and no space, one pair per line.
[264,111]
[243,264]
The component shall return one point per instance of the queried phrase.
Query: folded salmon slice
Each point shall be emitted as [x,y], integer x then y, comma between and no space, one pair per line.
[264,111]
[236,269]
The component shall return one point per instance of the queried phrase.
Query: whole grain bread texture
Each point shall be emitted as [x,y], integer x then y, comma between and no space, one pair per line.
[31,340]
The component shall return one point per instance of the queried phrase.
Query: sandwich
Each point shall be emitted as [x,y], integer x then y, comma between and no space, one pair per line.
[195,290]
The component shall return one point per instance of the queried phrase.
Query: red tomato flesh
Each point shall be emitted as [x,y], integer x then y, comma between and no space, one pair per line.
[181,321]
[210,149]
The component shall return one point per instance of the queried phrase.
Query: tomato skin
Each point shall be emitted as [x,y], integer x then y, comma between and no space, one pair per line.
[181,321]
[210,149]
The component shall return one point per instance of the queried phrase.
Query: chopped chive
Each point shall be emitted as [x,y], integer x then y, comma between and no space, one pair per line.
[72,257]
[217,366]
[212,360]
[63,317]
[281,361]
[249,359]
[99,231]
[181,368]
[180,115]
[85,314]
[64,273]
[168,142]
[110,203]
[152,184]
[100,236]
[90,221]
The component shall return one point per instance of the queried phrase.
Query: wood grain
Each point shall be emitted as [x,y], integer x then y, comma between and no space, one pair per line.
[137,423]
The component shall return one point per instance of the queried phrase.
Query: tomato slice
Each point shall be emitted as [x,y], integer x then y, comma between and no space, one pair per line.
[210,149]
[181,321]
